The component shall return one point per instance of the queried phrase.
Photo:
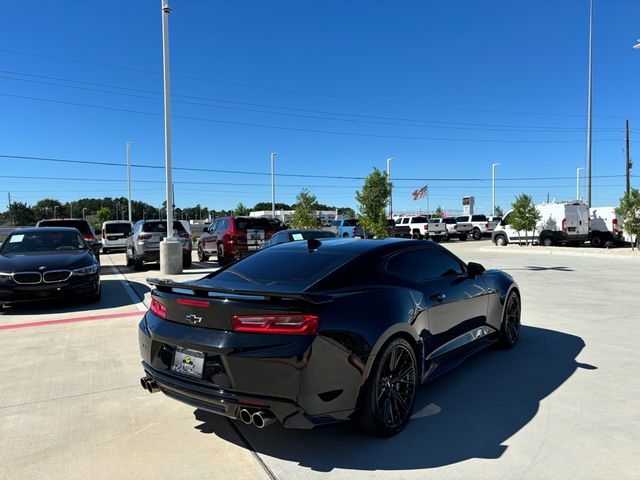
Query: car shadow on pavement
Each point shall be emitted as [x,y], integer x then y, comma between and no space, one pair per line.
[469,413]
[113,296]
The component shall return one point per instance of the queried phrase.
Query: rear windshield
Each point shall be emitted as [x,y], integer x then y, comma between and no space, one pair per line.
[252,224]
[117,228]
[161,227]
[307,234]
[449,220]
[284,267]
[350,223]
[462,219]
[46,240]
[81,225]
[419,220]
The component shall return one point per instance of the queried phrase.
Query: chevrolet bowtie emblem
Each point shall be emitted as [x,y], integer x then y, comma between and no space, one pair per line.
[193,319]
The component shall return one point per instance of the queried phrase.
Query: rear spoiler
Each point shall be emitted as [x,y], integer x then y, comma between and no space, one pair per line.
[169,286]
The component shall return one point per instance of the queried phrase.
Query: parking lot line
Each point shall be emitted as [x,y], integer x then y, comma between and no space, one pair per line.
[139,303]
[70,320]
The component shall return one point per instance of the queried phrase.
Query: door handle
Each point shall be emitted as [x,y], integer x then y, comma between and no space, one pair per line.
[439,297]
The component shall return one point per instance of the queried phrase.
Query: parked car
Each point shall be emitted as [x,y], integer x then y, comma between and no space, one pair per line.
[413,227]
[454,229]
[286,236]
[277,224]
[481,225]
[437,230]
[47,263]
[606,227]
[309,333]
[143,245]
[391,228]
[345,228]
[114,235]
[560,223]
[80,224]
[231,238]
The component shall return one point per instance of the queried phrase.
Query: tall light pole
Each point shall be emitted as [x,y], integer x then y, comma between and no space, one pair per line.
[391,188]
[170,247]
[578,170]
[493,188]
[273,184]
[589,110]
[129,175]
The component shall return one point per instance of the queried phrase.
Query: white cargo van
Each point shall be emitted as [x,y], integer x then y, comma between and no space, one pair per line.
[606,226]
[114,234]
[560,223]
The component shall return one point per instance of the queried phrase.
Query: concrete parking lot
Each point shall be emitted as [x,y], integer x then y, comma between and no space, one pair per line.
[563,404]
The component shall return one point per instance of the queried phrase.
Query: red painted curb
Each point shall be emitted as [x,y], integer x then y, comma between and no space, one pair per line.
[70,320]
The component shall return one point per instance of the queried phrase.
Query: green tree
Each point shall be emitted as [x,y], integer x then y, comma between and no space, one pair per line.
[241,210]
[524,216]
[629,210]
[373,200]
[346,212]
[304,213]
[44,208]
[104,214]
[21,214]
[439,212]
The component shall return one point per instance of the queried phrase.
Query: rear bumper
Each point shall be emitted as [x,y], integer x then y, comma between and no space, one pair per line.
[303,381]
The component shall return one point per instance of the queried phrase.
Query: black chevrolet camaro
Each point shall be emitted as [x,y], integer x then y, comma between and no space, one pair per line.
[314,332]
[47,263]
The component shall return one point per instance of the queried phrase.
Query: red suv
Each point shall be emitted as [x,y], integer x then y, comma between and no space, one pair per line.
[231,238]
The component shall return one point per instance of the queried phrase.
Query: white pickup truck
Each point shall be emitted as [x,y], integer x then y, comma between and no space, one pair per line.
[481,225]
[461,230]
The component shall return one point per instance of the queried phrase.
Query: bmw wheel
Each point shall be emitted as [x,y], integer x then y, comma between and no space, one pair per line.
[390,394]
[510,330]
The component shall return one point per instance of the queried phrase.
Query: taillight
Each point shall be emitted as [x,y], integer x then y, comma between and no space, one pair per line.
[192,303]
[287,324]
[455,227]
[486,225]
[144,236]
[426,226]
[564,225]
[353,232]
[88,237]
[615,225]
[158,308]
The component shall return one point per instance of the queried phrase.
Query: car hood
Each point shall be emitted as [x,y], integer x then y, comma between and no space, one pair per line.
[31,262]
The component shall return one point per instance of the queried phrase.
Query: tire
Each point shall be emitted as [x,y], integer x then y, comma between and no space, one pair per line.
[500,240]
[476,234]
[222,258]
[202,257]
[510,329]
[597,242]
[446,237]
[345,235]
[129,259]
[463,238]
[381,396]
[186,261]
[138,265]
[105,250]
[546,241]
[96,297]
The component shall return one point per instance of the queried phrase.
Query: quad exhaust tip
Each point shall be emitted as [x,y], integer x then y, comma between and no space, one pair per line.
[149,384]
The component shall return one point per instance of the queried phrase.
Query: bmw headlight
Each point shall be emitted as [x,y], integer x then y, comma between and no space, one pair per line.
[4,276]
[90,270]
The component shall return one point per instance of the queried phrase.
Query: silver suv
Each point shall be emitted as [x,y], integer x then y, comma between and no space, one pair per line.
[143,245]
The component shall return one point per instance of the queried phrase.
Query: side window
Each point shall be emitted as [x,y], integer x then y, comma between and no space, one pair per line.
[335,223]
[478,218]
[405,221]
[422,264]
[507,220]
[222,225]
[213,227]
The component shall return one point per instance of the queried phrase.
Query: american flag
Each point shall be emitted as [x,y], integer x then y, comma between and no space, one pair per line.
[419,193]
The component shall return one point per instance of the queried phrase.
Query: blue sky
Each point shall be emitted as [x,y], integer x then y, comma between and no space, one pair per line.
[335,87]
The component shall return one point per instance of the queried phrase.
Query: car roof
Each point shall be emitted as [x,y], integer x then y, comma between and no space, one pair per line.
[40,229]
[359,245]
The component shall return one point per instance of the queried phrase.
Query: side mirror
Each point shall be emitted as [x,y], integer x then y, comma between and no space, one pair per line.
[474,269]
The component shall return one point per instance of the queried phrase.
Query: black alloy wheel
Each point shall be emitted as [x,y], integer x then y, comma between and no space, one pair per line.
[510,330]
[596,241]
[477,235]
[222,259]
[390,395]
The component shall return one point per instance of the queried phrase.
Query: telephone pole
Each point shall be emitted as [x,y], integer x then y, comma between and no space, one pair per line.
[10,219]
[628,160]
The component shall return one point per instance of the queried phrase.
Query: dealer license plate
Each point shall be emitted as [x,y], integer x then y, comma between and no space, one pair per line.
[188,362]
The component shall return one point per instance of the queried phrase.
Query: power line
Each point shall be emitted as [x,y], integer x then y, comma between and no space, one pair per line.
[240,172]
[297,92]
[394,121]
